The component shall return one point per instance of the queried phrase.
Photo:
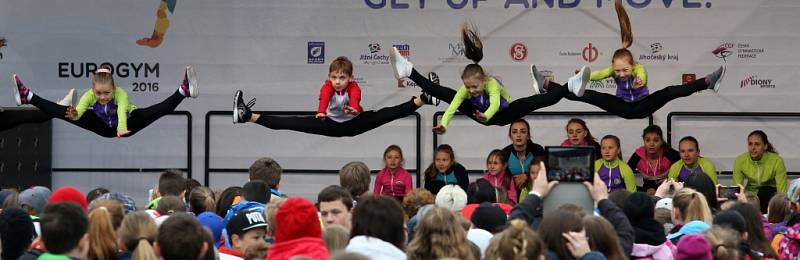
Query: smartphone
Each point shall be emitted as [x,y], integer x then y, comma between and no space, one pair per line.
[569,163]
[728,191]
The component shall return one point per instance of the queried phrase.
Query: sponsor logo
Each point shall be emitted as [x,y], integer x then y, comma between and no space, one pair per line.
[374,57]
[316,52]
[657,53]
[688,77]
[608,83]
[518,52]
[588,53]
[455,53]
[755,81]
[739,50]
[405,51]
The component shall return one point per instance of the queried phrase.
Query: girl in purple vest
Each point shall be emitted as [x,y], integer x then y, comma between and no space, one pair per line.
[112,114]
[633,99]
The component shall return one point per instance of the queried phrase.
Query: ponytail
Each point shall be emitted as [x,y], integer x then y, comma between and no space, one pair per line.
[625,32]
[473,47]
[102,238]
[692,205]
[516,242]
[138,232]
[624,24]
[144,250]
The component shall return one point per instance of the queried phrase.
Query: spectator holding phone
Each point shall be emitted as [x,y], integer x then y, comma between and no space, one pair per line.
[762,167]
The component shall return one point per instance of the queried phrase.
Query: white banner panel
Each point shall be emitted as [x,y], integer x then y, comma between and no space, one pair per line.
[279,51]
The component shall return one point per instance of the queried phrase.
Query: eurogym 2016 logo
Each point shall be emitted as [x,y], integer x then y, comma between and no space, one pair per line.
[374,57]
[316,52]
[755,81]
[518,52]
[588,53]
[405,51]
[162,24]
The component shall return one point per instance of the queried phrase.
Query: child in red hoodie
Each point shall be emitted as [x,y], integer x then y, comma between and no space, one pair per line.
[298,232]
[339,112]
[393,180]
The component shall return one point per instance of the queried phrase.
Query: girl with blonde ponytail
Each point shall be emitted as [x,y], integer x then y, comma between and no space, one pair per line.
[633,99]
[690,214]
[136,235]
[102,238]
[517,242]
[487,100]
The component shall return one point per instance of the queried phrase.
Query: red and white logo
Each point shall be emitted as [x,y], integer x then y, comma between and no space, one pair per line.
[590,53]
[688,77]
[518,52]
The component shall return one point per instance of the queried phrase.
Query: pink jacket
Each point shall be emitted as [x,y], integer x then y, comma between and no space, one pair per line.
[393,184]
[500,182]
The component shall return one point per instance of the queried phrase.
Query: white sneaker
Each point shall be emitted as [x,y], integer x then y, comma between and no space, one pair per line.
[71,99]
[577,83]
[538,81]
[719,74]
[400,66]
[189,84]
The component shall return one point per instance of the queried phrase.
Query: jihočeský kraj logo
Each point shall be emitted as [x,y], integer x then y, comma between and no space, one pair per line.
[374,55]
[316,53]
[657,53]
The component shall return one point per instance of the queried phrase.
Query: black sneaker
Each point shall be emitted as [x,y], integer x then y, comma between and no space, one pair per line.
[428,99]
[433,77]
[241,111]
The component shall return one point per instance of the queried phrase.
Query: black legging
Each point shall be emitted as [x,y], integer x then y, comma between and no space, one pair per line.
[364,122]
[138,119]
[641,108]
[13,118]
[516,109]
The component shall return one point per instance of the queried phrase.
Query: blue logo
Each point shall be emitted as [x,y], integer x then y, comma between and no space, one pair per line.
[316,52]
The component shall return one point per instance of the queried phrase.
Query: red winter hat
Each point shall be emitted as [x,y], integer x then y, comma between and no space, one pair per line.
[296,218]
[69,194]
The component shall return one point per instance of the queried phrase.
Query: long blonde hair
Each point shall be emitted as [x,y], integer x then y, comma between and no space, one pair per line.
[692,205]
[517,242]
[102,239]
[439,235]
[724,242]
[138,232]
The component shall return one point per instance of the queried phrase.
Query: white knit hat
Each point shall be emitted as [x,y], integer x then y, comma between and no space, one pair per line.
[451,197]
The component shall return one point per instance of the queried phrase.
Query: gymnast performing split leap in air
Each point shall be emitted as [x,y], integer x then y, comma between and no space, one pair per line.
[113,115]
[488,101]
[339,112]
[633,99]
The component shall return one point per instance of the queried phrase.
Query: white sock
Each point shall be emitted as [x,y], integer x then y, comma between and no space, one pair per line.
[30,95]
